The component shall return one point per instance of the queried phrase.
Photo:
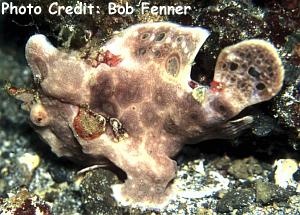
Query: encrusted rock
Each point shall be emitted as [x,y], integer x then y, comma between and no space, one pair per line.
[284,171]
[246,168]
[267,192]
[235,199]
[96,192]
[24,203]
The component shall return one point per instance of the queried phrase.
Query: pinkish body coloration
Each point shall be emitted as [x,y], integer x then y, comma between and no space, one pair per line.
[138,107]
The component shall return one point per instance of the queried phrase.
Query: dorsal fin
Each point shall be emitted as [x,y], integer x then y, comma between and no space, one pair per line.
[163,46]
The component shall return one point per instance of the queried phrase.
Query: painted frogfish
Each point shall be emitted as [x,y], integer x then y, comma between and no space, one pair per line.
[137,105]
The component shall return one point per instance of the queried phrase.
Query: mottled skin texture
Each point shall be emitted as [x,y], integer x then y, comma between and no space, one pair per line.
[138,110]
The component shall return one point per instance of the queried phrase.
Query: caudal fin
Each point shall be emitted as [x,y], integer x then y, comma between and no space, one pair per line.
[249,72]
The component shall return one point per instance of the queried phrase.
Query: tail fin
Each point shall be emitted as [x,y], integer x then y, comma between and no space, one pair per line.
[249,72]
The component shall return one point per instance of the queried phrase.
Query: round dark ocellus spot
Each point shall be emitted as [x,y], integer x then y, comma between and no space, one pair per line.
[141,51]
[242,85]
[157,53]
[244,66]
[232,79]
[249,56]
[270,71]
[233,66]
[269,61]
[253,72]
[173,65]
[179,39]
[241,54]
[260,86]
[258,61]
[145,36]
[160,36]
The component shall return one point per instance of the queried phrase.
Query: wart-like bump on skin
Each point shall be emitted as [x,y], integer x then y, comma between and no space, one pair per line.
[39,115]
[139,112]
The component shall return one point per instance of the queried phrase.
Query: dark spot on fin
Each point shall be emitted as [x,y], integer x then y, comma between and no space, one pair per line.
[260,86]
[141,51]
[160,36]
[172,65]
[145,36]
[233,66]
[253,72]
